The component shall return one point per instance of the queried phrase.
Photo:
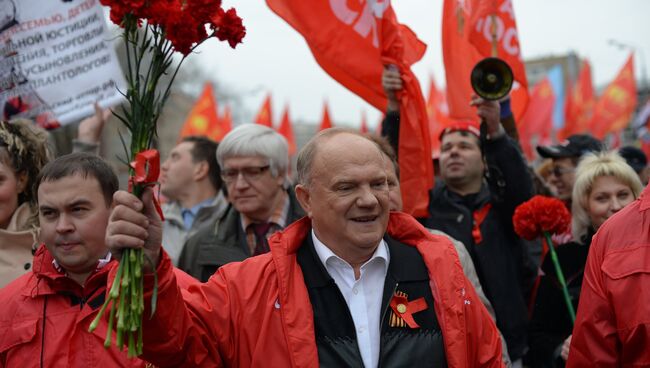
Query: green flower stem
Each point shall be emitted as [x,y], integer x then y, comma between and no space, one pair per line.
[560,277]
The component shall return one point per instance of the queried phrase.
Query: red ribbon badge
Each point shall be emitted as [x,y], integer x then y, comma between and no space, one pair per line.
[405,309]
[147,169]
[478,217]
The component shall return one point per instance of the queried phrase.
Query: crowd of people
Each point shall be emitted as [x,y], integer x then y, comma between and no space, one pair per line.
[258,267]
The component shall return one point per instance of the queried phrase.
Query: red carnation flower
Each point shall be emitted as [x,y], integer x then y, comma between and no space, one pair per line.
[229,27]
[541,214]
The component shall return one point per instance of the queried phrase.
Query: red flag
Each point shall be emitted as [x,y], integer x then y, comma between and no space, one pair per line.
[345,39]
[437,112]
[363,128]
[202,119]
[325,122]
[286,130]
[538,119]
[579,105]
[352,40]
[224,127]
[467,38]
[614,109]
[265,115]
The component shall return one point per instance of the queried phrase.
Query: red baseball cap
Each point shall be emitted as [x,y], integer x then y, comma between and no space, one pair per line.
[462,126]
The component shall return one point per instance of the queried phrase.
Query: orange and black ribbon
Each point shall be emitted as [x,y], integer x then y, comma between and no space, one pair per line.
[146,167]
[405,309]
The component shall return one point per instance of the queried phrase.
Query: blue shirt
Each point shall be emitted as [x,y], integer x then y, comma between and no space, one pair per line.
[190,214]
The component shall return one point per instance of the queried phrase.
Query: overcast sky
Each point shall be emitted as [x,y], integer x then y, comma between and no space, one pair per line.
[275,58]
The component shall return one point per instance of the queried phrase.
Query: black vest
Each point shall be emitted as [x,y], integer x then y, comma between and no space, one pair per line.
[336,338]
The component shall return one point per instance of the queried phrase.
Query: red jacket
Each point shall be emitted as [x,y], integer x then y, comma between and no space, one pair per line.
[258,313]
[612,327]
[68,309]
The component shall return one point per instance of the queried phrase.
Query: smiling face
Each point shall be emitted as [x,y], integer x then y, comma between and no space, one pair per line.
[608,195]
[347,197]
[563,177]
[461,162]
[73,215]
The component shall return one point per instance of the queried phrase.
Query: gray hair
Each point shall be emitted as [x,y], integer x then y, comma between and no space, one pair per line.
[591,167]
[256,140]
[308,152]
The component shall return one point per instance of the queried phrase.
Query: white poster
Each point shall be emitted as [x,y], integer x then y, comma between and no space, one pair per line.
[57,60]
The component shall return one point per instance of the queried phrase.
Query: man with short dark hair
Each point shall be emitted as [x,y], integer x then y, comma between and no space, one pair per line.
[45,314]
[484,178]
[350,285]
[191,180]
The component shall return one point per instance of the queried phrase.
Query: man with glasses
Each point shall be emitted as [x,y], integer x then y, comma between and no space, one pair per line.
[254,163]
[190,179]
[565,158]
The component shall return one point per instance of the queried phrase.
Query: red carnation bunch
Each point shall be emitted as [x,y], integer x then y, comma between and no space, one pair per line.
[541,214]
[185,23]
[169,26]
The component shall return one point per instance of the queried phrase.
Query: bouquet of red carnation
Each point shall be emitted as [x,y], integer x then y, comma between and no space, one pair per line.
[540,217]
[541,214]
[169,26]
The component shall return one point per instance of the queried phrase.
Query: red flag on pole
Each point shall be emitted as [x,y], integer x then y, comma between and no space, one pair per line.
[265,115]
[471,31]
[437,112]
[286,130]
[325,122]
[538,119]
[202,119]
[614,109]
[352,41]
[224,126]
[579,106]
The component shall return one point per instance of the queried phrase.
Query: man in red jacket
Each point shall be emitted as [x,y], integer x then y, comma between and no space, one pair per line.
[348,285]
[45,314]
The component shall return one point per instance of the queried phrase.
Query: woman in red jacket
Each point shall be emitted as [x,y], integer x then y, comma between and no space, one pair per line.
[604,185]
[612,326]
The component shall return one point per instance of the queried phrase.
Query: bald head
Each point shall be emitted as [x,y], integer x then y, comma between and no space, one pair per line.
[326,142]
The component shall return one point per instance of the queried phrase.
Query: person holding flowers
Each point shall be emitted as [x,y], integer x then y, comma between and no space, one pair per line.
[349,285]
[604,184]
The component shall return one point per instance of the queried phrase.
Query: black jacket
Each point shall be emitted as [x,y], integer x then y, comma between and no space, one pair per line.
[223,242]
[551,324]
[336,337]
[502,261]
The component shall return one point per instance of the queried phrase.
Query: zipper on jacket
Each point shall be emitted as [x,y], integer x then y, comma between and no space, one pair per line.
[381,323]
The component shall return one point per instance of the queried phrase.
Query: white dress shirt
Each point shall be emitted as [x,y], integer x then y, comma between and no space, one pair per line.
[363,296]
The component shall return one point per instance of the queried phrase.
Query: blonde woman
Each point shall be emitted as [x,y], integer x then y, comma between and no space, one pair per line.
[604,184]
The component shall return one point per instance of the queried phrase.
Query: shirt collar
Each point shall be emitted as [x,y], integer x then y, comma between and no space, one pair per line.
[325,253]
[195,209]
[101,263]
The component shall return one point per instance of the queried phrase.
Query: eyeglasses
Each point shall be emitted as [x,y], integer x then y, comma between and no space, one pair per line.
[559,171]
[249,173]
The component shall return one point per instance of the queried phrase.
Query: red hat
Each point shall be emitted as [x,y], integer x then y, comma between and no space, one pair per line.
[462,126]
